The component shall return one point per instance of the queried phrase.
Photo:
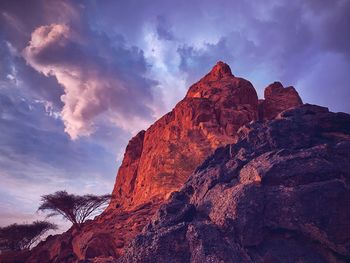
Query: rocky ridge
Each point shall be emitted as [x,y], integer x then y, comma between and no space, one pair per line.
[280,194]
[159,160]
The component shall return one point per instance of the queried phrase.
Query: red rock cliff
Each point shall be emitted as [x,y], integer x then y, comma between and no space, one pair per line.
[279,194]
[159,160]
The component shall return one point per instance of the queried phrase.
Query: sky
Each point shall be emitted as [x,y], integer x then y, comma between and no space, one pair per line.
[79,78]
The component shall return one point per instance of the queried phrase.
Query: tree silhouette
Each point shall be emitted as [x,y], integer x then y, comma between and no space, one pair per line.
[17,237]
[72,207]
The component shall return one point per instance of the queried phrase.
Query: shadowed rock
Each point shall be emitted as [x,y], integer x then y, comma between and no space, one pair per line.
[280,194]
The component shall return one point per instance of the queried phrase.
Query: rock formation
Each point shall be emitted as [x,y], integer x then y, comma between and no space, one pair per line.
[280,194]
[277,99]
[159,160]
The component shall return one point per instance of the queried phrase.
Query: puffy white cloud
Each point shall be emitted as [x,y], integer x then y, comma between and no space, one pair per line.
[100,82]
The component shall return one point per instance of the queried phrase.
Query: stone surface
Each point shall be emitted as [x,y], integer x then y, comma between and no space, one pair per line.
[277,99]
[103,237]
[56,248]
[159,160]
[280,194]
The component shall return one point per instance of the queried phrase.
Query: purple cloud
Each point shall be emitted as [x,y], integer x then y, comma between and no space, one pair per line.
[98,78]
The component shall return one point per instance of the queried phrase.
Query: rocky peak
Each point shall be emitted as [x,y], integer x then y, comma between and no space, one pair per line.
[159,161]
[276,89]
[273,87]
[209,116]
[223,88]
[219,71]
[277,99]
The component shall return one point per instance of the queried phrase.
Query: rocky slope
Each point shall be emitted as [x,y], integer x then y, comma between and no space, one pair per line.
[280,194]
[159,160]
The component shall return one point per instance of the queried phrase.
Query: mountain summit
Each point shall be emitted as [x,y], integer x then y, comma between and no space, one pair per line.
[160,160]
[219,71]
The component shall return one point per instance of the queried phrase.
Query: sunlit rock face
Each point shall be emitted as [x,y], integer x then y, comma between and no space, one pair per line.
[280,194]
[160,160]
[277,99]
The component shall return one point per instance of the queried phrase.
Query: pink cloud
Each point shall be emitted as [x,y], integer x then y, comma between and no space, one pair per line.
[96,88]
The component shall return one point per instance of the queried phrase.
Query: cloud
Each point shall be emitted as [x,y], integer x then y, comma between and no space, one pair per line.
[268,42]
[331,84]
[37,157]
[333,24]
[193,59]
[164,29]
[98,77]
[17,21]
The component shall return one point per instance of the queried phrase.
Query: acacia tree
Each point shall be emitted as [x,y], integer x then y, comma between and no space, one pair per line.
[17,237]
[74,208]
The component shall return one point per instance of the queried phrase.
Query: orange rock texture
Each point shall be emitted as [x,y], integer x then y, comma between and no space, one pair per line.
[159,160]
[277,99]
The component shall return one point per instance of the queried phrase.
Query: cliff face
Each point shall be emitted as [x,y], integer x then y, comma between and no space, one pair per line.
[280,194]
[159,160]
